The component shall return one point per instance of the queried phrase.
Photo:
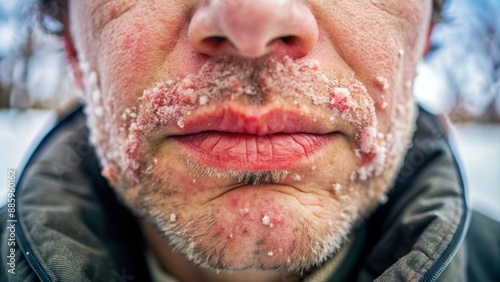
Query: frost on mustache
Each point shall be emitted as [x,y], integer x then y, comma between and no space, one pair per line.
[171,102]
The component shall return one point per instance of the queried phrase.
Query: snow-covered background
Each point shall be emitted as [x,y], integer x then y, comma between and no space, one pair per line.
[462,74]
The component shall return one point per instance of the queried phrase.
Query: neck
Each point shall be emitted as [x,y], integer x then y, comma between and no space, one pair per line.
[178,266]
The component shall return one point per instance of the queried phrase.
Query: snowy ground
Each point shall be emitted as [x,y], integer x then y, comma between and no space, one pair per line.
[19,131]
[478,146]
[479,150]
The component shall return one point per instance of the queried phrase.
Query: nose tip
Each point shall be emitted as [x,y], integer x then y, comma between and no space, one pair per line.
[253,28]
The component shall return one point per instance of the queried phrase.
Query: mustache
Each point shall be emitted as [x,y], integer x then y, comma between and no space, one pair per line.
[255,82]
[232,79]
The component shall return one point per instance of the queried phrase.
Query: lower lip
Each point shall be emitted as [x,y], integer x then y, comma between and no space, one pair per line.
[252,152]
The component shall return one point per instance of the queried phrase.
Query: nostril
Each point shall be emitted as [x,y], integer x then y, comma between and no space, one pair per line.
[218,39]
[214,41]
[211,44]
[290,45]
[283,28]
[289,39]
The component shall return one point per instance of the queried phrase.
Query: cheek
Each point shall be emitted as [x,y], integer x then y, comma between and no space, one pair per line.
[385,55]
[375,61]
[125,63]
[135,50]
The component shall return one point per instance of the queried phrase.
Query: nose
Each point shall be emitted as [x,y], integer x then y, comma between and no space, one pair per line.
[253,28]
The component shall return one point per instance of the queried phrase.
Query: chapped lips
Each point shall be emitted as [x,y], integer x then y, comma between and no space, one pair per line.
[233,139]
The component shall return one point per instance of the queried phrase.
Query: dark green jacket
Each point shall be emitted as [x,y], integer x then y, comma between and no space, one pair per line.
[69,225]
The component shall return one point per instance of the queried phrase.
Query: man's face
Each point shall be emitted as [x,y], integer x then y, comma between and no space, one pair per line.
[252,133]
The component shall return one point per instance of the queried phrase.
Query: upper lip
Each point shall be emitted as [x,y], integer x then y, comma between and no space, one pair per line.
[252,122]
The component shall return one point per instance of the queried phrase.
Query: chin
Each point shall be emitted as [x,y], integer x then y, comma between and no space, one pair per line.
[270,234]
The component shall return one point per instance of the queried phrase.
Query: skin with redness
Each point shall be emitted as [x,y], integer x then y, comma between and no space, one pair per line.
[248,135]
